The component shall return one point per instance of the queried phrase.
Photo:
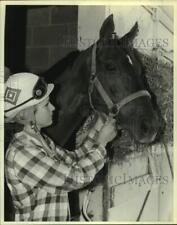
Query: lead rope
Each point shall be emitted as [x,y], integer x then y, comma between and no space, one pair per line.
[93,76]
[90,90]
[113,108]
[93,80]
[86,204]
[87,196]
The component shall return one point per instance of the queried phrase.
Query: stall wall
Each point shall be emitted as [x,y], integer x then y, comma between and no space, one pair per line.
[51,35]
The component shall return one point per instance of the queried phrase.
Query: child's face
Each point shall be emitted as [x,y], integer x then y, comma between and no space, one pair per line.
[44,113]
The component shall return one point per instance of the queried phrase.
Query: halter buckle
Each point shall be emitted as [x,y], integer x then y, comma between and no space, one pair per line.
[115,110]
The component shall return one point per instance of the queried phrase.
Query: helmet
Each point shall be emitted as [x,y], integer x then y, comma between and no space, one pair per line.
[23,90]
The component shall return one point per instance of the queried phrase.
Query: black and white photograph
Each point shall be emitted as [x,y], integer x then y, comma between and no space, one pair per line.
[87,112]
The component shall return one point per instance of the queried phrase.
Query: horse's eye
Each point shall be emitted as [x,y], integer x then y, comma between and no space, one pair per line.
[110,66]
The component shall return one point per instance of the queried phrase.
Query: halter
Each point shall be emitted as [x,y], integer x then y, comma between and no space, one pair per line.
[114,108]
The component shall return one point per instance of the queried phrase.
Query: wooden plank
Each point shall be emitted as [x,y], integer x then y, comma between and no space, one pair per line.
[168,10]
[123,192]
[163,181]
[150,212]
[128,199]
[165,20]
[121,171]
[130,195]
[166,187]
[95,207]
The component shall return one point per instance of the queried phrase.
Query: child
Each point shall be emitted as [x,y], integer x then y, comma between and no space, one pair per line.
[40,174]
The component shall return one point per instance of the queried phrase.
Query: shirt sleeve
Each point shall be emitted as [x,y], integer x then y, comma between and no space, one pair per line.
[34,168]
[88,144]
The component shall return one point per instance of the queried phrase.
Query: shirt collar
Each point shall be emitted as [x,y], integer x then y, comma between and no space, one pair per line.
[28,138]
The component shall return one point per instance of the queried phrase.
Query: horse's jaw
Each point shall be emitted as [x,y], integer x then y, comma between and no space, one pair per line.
[142,139]
[148,140]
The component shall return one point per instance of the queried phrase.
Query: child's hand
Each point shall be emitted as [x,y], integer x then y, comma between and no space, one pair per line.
[101,119]
[108,132]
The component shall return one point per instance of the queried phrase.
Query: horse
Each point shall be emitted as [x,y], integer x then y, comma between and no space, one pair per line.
[107,77]
[119,72]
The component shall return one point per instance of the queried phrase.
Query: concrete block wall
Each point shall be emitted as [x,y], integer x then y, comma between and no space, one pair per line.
[90,19]
[50,35]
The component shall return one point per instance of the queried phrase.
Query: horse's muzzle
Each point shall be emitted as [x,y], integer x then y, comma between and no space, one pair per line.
[147,130]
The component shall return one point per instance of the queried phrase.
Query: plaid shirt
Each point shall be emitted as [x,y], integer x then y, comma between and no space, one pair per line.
[39,182]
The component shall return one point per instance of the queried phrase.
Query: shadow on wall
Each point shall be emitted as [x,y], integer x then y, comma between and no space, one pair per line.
[15,38]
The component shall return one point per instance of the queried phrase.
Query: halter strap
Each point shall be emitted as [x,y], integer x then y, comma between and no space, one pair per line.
[132,97]
[114,108]
[93,63]
[103,94]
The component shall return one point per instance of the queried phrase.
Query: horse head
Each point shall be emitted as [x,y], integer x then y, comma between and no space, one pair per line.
[107,77]
[124,92]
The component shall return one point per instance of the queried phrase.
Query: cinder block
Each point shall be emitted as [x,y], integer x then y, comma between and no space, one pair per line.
[37,57]
[38,16]
[64,14]
[49,35]
[57,53]
[38,70]
[29,36]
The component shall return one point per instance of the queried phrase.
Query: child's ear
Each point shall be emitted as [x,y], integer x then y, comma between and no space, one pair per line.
[29,114]
[20,116]
[26,116]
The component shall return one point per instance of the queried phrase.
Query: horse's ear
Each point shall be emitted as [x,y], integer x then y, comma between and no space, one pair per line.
[107,27]
[128,38]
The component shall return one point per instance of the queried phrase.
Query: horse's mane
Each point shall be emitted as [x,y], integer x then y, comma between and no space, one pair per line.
[58,68]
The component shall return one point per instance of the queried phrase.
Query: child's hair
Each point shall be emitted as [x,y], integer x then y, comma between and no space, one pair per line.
[17,123]
[23,117]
